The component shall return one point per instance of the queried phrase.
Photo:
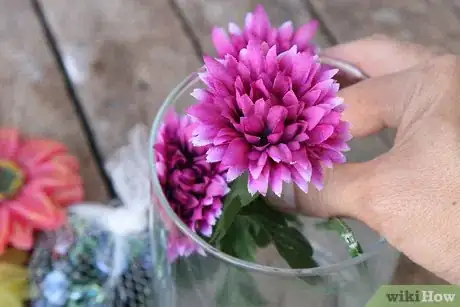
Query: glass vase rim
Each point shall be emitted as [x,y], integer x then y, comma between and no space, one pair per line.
[176,92]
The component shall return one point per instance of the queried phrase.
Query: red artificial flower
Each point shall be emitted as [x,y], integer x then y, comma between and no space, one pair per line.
[38,179]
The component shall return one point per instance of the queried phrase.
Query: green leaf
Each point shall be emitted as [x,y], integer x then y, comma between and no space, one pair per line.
[239,290]
[237,198]
[240,187]
[288,240]
[259,233]
[238,241]
[260,209]
[294,248]
[244,246]
[227,218]
[188,271]
[293,220]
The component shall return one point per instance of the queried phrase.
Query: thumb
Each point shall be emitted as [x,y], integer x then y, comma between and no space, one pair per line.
[347,192]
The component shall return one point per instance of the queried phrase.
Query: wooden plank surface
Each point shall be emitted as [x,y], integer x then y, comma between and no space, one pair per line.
[32,95]
[123,56]
[428,22]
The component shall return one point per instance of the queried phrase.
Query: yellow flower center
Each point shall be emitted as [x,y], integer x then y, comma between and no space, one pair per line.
[11,179]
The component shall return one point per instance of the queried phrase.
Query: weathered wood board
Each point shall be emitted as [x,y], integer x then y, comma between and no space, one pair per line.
[428,22]
[33,97]
[123,56]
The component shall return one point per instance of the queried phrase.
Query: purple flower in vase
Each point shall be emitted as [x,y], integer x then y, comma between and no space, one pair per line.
[275,115]
[258,28]
[194,187]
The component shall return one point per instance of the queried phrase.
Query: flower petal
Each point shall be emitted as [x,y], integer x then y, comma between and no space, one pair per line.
[203,135]
[276,116]
[313,116]
[225,136]
[206,230]
[68,195]
[245,104]
[236,154]
[252,139]
[218,71]
[281,84]
[299,180]
[9,142]
[256,167]
[35,152]
[305,33]
[58,182]
[234,172]
[311,97]
[21,236]
[206,113]
[261,108]
[279,175]
[259,25]
[253,125]
[234,29]
[216,153]
[260,184]
[260,90]
[222,42]
[285,31]
[290,99]
[317,177]
[4,226]
[320,133]
[271,62]
[34,206]
[333,118]
[275,154]
[217,188]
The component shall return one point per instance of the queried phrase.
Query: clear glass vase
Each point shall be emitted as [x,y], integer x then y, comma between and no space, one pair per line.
[217,279]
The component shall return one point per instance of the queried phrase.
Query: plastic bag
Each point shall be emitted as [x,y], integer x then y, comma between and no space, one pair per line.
[104,256]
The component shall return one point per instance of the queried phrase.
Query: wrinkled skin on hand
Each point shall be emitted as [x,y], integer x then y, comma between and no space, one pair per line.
[411,194]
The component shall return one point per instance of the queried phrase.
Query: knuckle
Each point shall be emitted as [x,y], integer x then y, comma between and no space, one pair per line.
[445,64]
[442,74]
[446,59]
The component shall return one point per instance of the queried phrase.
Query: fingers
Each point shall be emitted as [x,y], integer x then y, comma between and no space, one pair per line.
[347,189]
[375,104]
[378,55]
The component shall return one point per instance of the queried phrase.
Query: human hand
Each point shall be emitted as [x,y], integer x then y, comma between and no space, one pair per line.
[411,194]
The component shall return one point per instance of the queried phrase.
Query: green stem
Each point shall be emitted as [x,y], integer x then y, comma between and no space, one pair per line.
[345,232]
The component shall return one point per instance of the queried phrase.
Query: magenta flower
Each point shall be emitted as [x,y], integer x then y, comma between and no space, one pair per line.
[258,28]
[194,187]
[277,116]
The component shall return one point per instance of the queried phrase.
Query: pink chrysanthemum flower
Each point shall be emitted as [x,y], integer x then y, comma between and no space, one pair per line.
[277,116]
[38,179]
[258,28]
[194,187]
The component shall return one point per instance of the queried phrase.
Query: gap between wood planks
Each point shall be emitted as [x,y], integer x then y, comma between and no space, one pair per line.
[71,92]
